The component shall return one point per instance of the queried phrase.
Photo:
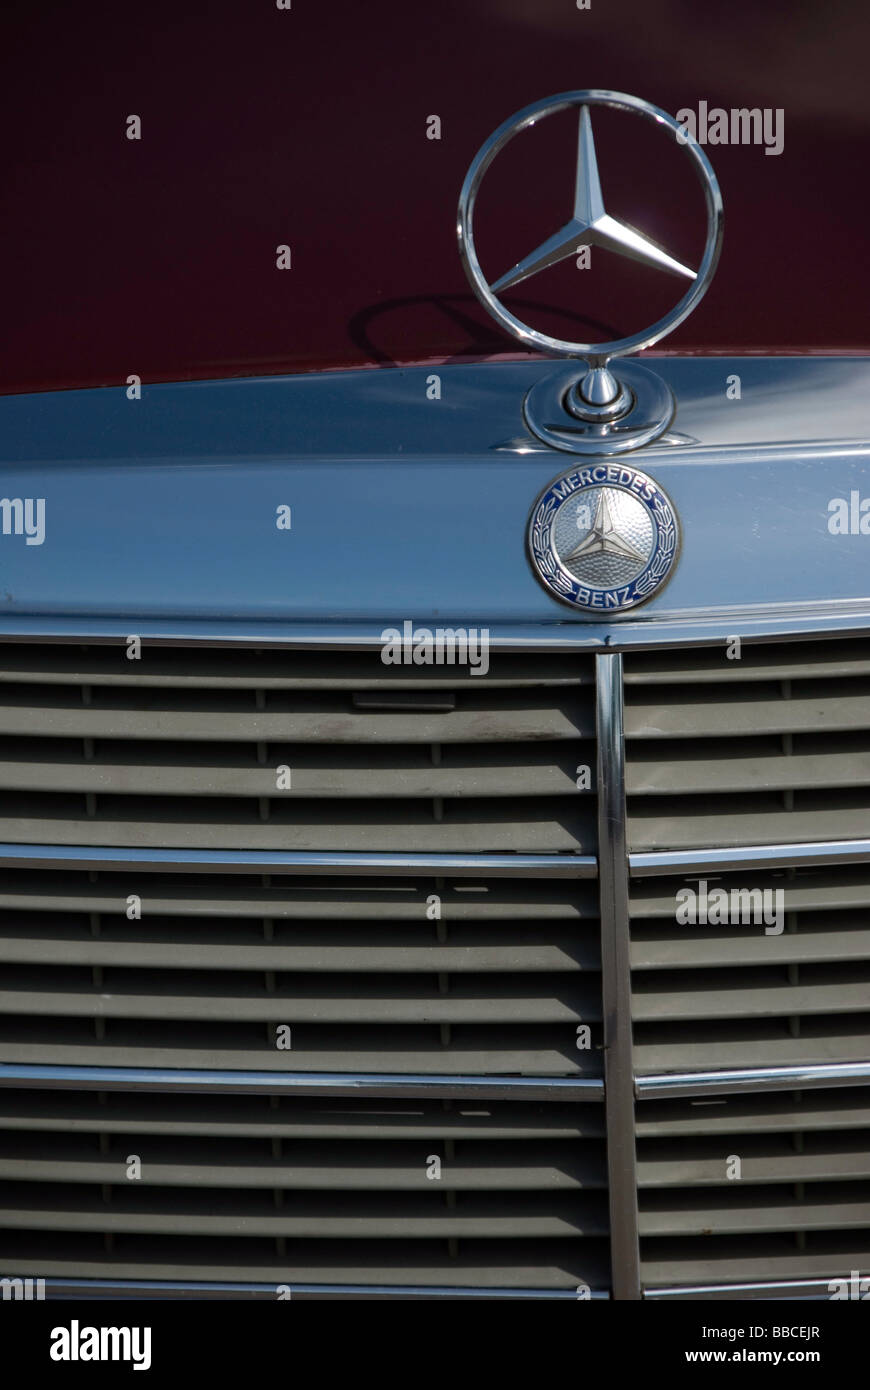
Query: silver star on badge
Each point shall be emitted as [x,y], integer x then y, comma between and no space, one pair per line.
[604,539]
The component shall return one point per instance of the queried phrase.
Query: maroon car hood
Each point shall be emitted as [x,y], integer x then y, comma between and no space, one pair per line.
[307,127]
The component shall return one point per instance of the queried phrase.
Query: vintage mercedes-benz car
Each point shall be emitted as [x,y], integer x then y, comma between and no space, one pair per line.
[434,677]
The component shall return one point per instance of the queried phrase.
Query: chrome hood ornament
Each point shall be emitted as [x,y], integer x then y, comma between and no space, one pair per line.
[598,411]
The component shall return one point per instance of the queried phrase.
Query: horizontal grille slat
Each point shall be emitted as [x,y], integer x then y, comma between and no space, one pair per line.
[271,1117]
[751,769]
[656,950]
[248,668]
[726,822]
[348,900]
[762,1161]
[758,661]
[467,826]
[824,1208]
[763,1259]
[765,993]
[528,1052]
[523,771]
[389,999]
[397,1166]
[324,721]
[404,1217]
[748,713]
[722,1045]
[808,890]
[769,1113]
[469,952]
[524,1264]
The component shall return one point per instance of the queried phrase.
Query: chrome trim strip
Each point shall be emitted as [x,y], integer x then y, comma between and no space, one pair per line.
[616,980]
[677,629]
[755,623]
[157,1288]
[787,1290]
[100,1078]
[296,861]
[749,1079]
[648,862]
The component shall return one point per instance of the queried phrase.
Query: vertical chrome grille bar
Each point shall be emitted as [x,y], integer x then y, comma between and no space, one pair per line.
[616,979]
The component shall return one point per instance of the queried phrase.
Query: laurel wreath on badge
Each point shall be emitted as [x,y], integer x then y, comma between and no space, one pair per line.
[667,541]
[547,562]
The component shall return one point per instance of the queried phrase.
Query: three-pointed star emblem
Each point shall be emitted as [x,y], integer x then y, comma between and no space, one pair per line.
[604,539]
[591,226]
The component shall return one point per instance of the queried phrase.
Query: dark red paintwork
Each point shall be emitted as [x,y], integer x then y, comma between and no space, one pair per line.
[263,126]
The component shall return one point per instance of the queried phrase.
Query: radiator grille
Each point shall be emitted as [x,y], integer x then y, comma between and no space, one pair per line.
[184,748]
[799,1209]
[750,969]
[359,970]
[288,1190]
[289,973]
[438,976]
[719,995]
[773,747]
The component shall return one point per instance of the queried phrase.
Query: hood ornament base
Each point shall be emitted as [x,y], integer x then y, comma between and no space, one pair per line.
[556,412]
[599,396]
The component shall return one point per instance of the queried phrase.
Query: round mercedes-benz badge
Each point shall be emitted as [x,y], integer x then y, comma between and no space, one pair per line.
[603,538]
